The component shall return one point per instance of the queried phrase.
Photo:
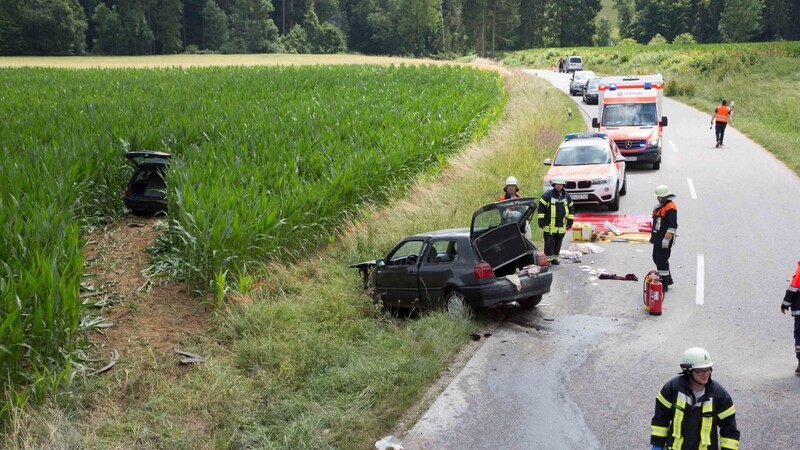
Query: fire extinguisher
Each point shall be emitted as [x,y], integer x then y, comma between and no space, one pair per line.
[653,293]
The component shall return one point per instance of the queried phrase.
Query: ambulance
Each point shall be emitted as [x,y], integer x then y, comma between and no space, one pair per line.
[630,112]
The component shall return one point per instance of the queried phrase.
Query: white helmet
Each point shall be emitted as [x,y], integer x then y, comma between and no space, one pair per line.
[511,180]
[696,358]
[663,191]
[558,179]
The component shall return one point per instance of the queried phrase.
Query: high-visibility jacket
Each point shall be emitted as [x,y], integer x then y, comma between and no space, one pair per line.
[682,423]
[555,211]
[792,297]
[665,220]
[722,114]
[507,196]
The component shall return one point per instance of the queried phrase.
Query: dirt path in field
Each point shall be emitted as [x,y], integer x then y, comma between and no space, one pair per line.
[146,315]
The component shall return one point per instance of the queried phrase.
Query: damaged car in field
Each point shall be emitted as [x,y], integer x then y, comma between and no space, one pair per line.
[146,191]
[489,265]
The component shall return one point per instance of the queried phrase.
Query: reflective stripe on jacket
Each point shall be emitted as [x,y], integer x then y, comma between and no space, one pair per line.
[554,211]
[681,423]
[722,114]
[792,297]
[665,220]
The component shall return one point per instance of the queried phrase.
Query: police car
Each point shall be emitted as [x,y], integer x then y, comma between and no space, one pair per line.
[593,167]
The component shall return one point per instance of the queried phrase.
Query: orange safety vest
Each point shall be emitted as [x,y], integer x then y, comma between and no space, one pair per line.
[506,197]
[722,114]
[795,284]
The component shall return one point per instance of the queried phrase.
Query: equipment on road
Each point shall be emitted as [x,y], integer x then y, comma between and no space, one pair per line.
[653,293]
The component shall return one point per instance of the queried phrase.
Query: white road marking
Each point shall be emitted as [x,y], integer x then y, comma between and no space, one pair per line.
[701,281]
[691,189]
[674,148]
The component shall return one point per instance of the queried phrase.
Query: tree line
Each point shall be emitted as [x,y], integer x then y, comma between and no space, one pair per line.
[393,27]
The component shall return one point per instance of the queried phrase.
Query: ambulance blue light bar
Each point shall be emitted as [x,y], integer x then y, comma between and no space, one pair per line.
[586,135]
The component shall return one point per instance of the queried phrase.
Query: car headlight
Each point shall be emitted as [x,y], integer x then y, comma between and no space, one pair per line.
[604,180]
[653,143]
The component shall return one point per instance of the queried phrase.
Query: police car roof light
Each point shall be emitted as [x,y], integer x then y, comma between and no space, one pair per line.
[612,87]
[648,85]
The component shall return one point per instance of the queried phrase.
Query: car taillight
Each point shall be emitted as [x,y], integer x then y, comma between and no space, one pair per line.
[483,270]
[541,260]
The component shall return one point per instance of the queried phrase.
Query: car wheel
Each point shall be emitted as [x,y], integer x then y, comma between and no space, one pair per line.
[456,304]
[657,165]
[530,302]
[614,204]
[624,189]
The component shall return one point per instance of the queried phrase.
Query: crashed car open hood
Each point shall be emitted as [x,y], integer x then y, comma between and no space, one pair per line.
[149,160]
[496,230]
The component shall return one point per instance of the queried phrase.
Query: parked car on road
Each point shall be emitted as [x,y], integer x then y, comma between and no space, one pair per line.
[579,80]
[593,167]
[491,264]
[147,189]
[573,63]
[590,91]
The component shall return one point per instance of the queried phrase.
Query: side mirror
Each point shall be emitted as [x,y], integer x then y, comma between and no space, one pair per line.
[663,121]
[547,162]
[596,123]
[380,263]
[620,158]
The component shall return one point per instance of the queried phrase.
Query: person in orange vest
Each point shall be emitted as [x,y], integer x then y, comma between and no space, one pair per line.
[792,301]
[722,116]
[665,225]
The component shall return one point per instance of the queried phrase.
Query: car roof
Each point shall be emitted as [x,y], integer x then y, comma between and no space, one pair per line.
[447,233]
[578,139]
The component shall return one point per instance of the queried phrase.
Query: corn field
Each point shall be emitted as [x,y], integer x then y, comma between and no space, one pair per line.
[268,163]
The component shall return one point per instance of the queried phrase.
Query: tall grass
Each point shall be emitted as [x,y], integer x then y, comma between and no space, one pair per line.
[763,79]
[269,161]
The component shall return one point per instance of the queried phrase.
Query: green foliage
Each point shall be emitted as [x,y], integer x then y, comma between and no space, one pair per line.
[215,31]
[740,20]
[628,42]
[297,40]
[604,33]
[252,28]
[42,27]
[684,39]
[658,39]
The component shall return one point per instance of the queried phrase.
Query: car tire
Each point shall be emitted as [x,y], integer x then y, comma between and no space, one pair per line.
[624,189]
[530,302]
[456,304]
[613,205]
[657,165]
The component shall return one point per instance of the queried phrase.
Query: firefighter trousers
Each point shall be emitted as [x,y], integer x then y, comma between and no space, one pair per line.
[797,336]
[552,244]
[661,258]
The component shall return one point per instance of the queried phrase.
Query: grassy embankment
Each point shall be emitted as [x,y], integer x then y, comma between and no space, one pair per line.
[763,80]
[311,364]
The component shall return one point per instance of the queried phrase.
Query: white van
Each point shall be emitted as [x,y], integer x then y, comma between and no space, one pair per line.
[573,63]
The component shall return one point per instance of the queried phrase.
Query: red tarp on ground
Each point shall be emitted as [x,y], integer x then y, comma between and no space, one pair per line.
[627,223]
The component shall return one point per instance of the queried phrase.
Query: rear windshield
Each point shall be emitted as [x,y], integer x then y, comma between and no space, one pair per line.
[576,59]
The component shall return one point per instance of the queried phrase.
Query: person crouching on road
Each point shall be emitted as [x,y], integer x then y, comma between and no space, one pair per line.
[555,216]
[791,300]
[691,407]
[665,225]
[511,191]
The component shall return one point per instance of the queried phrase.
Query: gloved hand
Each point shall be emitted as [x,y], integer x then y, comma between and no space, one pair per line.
[783,309]
[542,223]
[569,223]
[665,243]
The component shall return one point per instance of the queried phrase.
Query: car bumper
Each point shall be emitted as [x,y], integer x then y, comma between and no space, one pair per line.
[145,204]
[503,291]
[591,98]
[652,154]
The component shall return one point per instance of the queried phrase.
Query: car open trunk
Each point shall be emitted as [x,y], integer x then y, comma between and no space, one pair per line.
[496,233]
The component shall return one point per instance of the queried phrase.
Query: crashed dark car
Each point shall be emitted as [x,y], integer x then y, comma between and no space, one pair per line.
[147,189]
[491,264]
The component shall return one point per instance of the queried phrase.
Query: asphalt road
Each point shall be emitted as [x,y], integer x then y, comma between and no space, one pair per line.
[583,369]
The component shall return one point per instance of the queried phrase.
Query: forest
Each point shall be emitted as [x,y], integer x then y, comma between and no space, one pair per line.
[439,28]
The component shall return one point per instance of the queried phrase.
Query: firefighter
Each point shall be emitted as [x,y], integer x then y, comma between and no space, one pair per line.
[665,225]
[554,217]
[510,191]
[792,301]
[722,116]
[691,407]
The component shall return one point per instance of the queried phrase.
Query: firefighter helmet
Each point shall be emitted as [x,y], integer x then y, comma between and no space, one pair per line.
[511,180]
[663,191]
[696,358]
[558,179]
